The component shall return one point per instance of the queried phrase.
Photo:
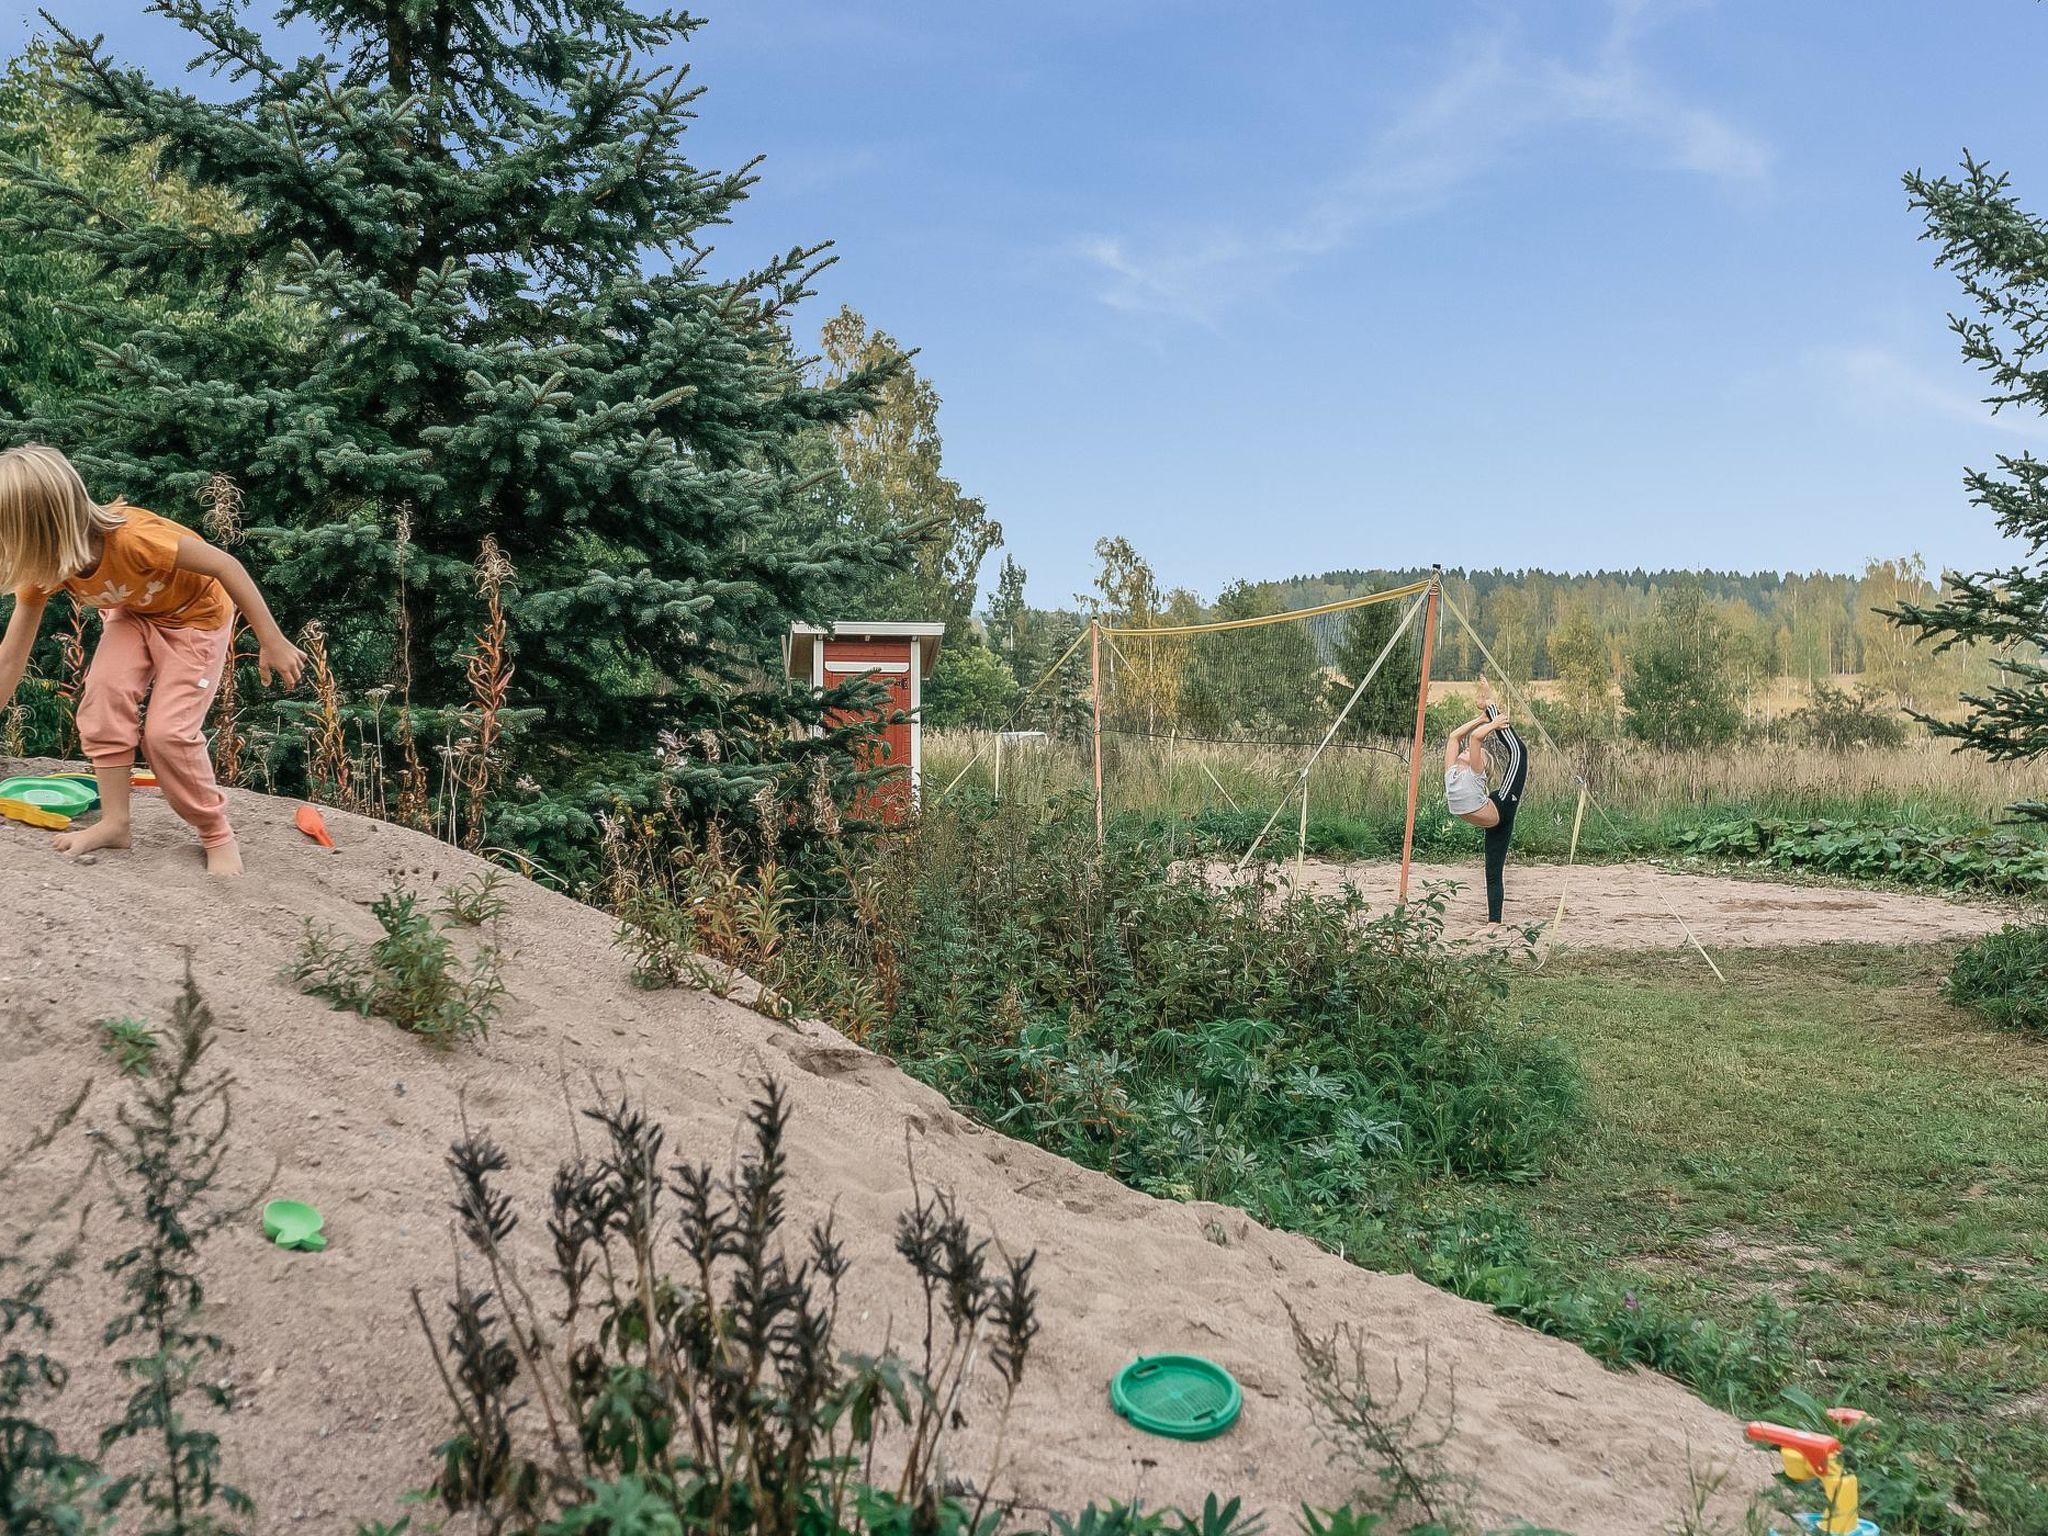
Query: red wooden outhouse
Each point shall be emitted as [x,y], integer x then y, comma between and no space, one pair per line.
[898,655]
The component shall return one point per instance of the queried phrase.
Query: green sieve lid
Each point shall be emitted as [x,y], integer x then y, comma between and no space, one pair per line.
[67,797]
[1183,1397]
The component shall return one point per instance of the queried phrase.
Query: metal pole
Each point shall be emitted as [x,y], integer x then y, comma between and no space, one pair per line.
[1421,716]
[999,767]
[1301,840]
[1095,688]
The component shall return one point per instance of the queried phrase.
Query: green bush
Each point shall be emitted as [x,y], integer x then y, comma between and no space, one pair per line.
[1288,1053]
[2004,977]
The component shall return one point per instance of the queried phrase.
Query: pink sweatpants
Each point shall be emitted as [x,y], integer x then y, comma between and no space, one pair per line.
[179,671]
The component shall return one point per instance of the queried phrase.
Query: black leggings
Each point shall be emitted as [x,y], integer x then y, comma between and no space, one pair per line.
[1507,799]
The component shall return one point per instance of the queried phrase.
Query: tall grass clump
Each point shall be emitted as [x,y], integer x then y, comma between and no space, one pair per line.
[2004,977]
[1288,1053]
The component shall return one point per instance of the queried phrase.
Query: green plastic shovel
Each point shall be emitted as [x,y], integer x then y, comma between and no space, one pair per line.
[293,1224]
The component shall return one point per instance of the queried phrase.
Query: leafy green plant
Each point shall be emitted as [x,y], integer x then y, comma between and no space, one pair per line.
[411,974]
[2002,863]
[2004,977]
[477,901]
[1292,1054]
[131,1043]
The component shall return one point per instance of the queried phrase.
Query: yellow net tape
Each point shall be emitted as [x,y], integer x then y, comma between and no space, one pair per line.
[1390,595]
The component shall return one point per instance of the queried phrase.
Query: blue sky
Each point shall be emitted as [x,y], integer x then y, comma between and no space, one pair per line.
[1282,287]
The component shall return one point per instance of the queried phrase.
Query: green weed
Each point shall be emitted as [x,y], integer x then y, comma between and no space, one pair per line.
[131,1043]
[2004,977]
[411,974]
[477,901]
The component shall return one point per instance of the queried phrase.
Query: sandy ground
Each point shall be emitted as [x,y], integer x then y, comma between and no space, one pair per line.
[341,1406]
[1630,906]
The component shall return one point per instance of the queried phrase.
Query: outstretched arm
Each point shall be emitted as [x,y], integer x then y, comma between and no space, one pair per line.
[275,656]
[20,639]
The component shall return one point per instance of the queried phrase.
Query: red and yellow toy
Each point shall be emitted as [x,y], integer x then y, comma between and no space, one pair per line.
[1811,1456]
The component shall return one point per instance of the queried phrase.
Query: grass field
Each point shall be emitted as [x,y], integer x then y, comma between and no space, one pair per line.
[1827,1145]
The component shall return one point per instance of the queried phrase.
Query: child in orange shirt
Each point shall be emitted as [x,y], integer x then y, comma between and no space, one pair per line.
[167,601]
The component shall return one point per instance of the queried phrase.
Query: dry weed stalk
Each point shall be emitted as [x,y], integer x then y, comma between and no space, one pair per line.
[489,667]
[329,765]
[415,801]
[221,499]
[1393,1438]
[230,745]
[72,656]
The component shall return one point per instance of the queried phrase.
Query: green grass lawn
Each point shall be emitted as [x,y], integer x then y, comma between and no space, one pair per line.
[1828,1145]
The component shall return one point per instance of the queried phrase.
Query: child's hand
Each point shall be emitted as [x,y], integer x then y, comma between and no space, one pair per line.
[279,659]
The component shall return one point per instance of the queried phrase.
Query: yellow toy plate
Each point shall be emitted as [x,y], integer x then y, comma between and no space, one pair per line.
[33,815]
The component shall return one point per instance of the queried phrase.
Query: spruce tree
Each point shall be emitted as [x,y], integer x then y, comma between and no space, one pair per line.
[2000,253]
[510,326]
[1387,707]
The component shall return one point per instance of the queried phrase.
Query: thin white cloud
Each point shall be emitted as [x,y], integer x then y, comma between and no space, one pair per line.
[1876,381]
[1497,98]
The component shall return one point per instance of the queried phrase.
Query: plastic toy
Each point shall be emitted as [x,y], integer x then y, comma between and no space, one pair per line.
[1811,1456]
[294,1224]
[33,815]
[314,825]
[1182,1397]
[64,795]
[141,778]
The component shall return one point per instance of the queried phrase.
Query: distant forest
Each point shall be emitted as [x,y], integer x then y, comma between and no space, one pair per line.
[1779,624]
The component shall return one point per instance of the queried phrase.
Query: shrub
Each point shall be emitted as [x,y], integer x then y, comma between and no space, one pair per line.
[1289,1053]
[1836,720]
[2004,977]
[411,974]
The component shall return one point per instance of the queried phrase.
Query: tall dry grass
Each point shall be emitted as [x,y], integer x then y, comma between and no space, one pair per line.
[1641,796]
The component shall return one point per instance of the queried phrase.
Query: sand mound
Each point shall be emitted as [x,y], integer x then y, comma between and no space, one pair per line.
[1629,906]
[341,1406]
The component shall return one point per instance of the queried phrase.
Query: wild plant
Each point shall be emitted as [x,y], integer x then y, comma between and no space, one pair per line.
[714,1397]
[166,1162]
[488,666]
[1393,1436]
[327,753]
[477,901]
[70,682]
[131,1043]
[44,1489]
[411,974]
[230,741]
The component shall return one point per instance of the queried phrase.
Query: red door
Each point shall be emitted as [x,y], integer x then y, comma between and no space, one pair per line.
[885,662]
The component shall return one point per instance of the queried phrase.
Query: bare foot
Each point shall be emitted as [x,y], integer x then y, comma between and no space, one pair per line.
[105,834]
[224,860]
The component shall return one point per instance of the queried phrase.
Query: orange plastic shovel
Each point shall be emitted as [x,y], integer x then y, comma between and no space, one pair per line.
[314,826]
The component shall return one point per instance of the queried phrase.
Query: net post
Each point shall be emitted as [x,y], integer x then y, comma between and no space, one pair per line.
[1436,576]
[1095,692]
[1301,839]
[999,765]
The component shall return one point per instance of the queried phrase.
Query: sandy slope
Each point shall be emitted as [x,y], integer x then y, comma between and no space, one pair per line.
[341,1402]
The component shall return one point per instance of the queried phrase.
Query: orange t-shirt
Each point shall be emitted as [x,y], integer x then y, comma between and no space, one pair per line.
[138,573]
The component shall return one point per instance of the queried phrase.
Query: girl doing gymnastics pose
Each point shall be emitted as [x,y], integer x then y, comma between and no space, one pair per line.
[1466,794]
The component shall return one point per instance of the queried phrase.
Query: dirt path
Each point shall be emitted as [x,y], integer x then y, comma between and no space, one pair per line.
[1629,906]
[341,1405]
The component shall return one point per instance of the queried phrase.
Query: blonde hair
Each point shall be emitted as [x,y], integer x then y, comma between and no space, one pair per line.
[47,519]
